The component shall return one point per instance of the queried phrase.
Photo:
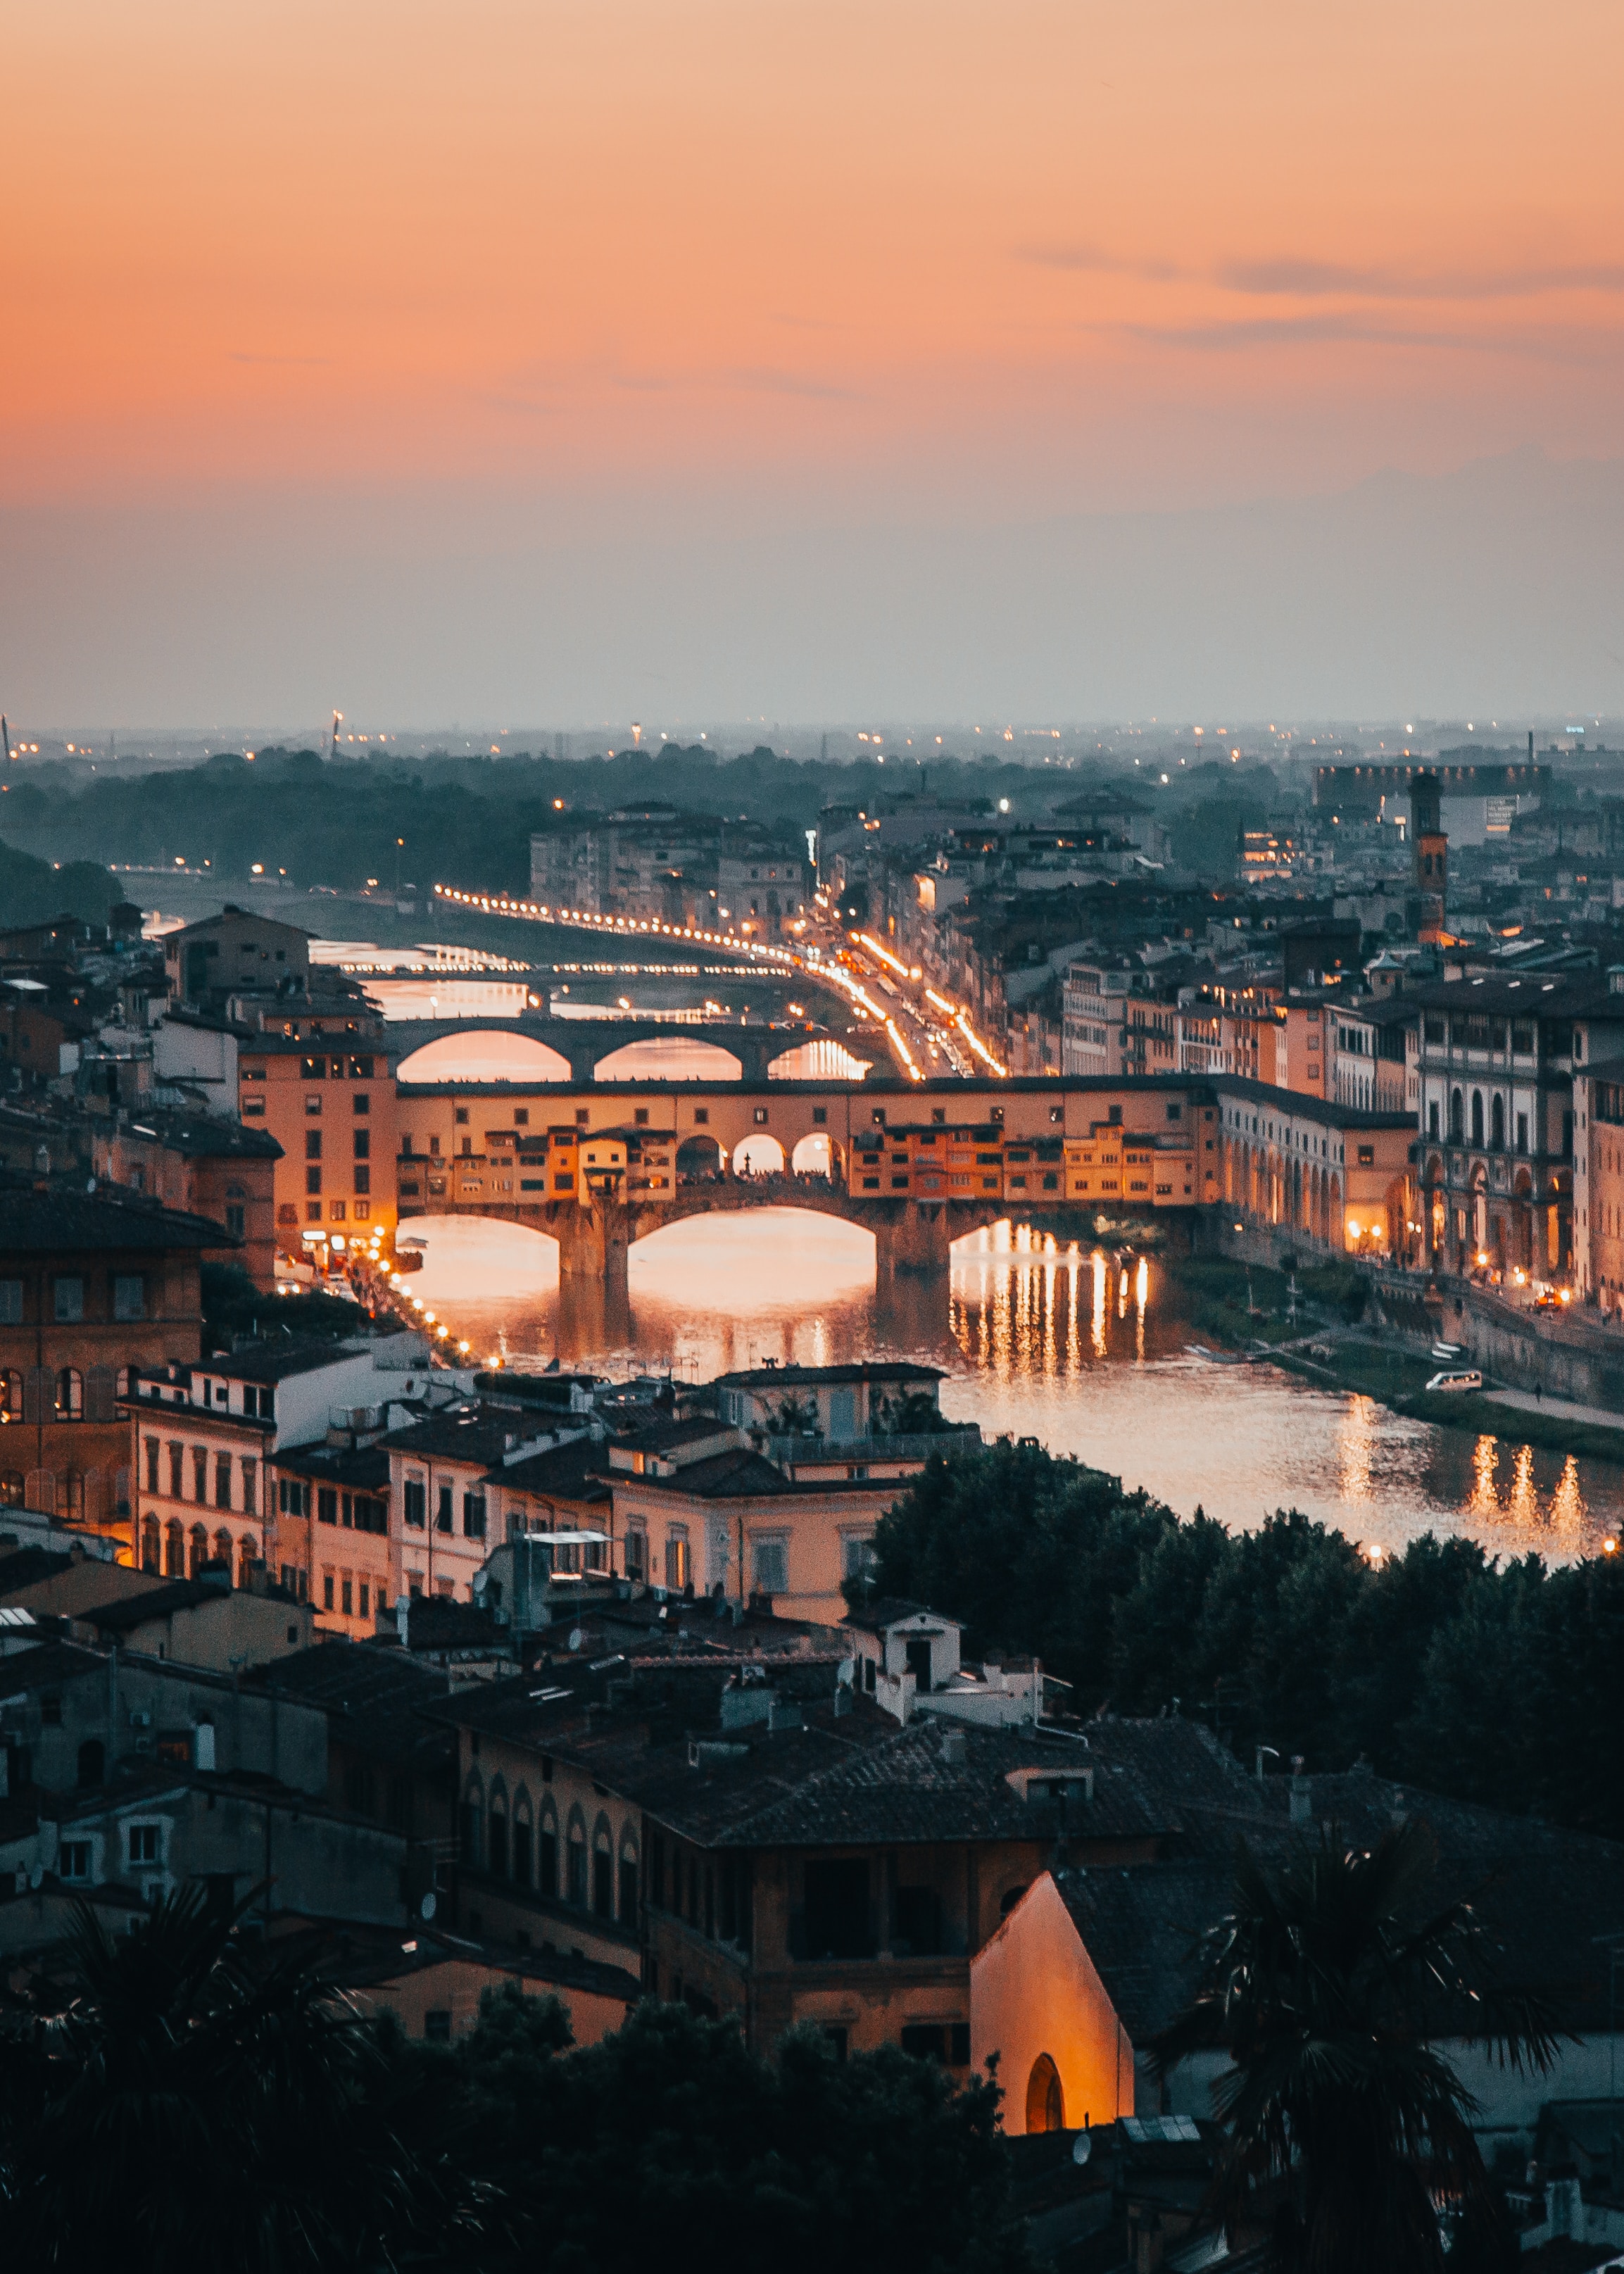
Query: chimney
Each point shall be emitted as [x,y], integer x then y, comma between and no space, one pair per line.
[953,1748]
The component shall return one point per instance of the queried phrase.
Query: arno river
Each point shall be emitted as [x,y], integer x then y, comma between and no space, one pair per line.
[1065,1346]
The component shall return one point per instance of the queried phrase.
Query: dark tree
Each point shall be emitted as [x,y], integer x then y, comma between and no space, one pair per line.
[191,2102]
[1327,1987]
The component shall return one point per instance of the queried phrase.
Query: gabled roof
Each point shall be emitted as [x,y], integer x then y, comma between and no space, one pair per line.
[377,1699]
[363,1468]
[890,1610]
[577,1471]
[50,1662]
[198,1138]
[128,1612]
[67,1223]
[477,1434]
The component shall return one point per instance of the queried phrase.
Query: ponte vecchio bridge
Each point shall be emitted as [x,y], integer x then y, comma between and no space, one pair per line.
[574,1145]
[598,1162]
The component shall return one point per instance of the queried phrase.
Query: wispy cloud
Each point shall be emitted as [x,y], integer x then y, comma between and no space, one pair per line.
[1310,280]
[248,355]
[1362,330]
[1097,259]
[793,382]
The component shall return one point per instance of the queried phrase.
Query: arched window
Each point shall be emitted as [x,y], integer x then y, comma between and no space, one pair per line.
[473,1823]
[1477,1117]
[150,1545]
[223,1547]
[69,1394]
[628,1880]
[524,1840]
[1497,1122]
[603,1870]
[10,1394]
[1457,1117]
[247,1555]
[197,1555]
[1045,2101]
[10,1487]
[91,1763]
[576,1888]
[496,1832]
[547,1854]
[71,1497]
[174,1550]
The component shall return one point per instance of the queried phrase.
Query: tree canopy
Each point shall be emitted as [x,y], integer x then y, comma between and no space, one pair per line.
[1288,1635]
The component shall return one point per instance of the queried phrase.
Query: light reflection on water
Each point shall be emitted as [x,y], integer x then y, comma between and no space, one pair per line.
[1084,1349]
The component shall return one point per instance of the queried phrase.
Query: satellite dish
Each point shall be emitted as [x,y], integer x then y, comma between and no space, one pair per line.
[36,1877]
[1082,2146]
[429,1904]
[576,1638]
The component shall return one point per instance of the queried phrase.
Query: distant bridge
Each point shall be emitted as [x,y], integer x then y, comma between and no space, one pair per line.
[570,1051]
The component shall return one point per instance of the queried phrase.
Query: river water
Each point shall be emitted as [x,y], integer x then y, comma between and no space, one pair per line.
[1063,1345]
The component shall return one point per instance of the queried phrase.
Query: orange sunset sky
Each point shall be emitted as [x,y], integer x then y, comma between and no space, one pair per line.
[454,278]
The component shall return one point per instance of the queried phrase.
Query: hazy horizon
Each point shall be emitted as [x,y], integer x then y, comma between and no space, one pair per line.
[699,359]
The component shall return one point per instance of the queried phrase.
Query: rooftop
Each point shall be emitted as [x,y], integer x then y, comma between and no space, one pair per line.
[52,1222]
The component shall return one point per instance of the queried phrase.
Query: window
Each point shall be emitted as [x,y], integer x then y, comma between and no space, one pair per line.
[362,1102]
[313,1187]
[442,1514]
[363,1142]
[69,1294]
[473,1516]
[250,1471]
[150,1449]
[460,1116]
[10,1302]
[837,1909]
[312,1144]
[413,1502]
[576,1892]
[76,1859]
[769,1563]
[603,1878]
[437,2025]
[326,1505]
[143,1843]
[919,1921]
[130,1292]
[70,1398]
[636,1554]
[856,1556]
[222,1481]
[676,1561]
[628,1890]
[547,1860]
[346,1595]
